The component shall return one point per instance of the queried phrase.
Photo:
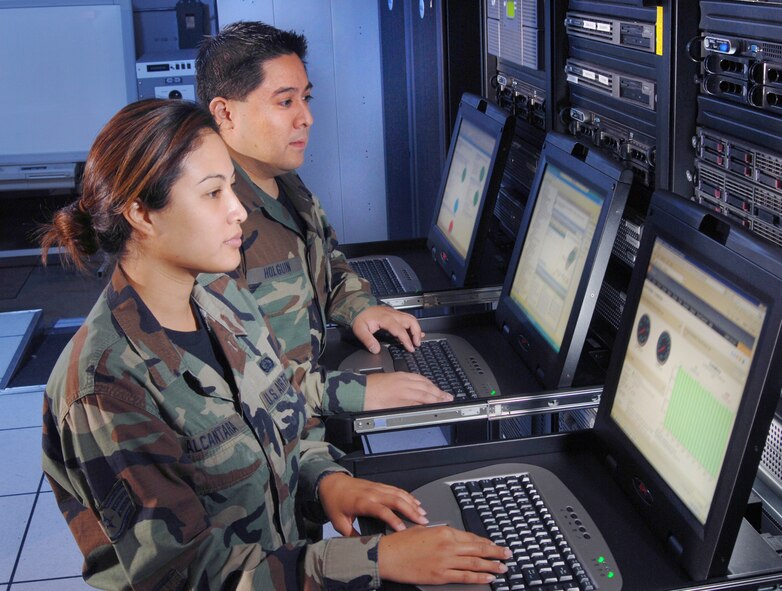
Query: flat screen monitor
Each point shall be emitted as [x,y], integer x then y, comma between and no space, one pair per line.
[684,373]
[689,395]
[560,257]
[65,68]
[468,188]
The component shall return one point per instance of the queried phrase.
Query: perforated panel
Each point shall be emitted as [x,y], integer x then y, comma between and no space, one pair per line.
[771,459]
[575,420]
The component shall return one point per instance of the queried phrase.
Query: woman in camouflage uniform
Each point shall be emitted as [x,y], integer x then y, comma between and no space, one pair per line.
[175,435]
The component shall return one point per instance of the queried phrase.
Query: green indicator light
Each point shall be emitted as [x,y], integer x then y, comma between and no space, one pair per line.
[493,393]
[601,559]
[610,574]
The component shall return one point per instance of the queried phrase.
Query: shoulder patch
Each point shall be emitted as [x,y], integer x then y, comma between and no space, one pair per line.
[117,510]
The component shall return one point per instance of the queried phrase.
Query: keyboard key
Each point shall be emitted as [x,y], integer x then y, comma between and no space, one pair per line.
[381,276]
[563,574]
[542,559]
[531,577]
[436,361]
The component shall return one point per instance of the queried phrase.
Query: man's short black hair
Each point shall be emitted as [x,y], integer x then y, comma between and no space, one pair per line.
[230,64]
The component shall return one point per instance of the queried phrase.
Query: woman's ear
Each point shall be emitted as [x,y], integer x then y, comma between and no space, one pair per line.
[138,218]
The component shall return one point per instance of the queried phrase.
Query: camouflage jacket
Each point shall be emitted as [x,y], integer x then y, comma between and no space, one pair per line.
[166,479]
[301,283]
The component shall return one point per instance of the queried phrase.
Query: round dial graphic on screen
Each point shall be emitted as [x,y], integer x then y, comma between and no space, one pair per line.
[642,331]
[663,347]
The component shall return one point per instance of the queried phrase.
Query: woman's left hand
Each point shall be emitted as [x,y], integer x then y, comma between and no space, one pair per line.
[344,498]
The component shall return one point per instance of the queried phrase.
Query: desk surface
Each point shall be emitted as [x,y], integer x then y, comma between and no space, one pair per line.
[643,560]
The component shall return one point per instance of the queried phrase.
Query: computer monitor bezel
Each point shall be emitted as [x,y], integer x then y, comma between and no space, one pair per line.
[498,123]
[552,368]
[703,550]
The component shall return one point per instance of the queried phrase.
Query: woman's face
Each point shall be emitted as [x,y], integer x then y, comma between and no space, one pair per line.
[199,230]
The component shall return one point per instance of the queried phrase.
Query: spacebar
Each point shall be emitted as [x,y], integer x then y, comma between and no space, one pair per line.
[472,523]
[401,365]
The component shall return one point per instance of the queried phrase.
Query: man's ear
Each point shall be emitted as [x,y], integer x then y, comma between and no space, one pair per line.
[138,218]
[220,109]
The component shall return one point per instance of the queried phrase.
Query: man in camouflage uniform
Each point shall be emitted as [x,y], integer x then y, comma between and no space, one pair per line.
[166,481]
[252,78]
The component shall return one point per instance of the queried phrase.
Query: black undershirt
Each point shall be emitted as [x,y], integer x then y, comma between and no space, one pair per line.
[199,343]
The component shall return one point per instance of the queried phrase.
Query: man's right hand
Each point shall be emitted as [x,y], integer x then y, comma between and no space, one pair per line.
[400,388]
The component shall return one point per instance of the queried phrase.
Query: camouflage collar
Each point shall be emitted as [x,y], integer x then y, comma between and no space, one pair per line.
[207,296]
[139,324]
[147,336]
[301,198]
[298,194]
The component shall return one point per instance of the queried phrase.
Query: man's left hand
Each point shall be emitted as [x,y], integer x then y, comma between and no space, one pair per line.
[401,325]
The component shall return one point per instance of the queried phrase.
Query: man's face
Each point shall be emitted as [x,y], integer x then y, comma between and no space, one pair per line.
[271,125]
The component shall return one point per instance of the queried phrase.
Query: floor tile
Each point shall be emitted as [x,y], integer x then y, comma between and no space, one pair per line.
[14,514]
[67,584]
[21,409]
[21,470]
[48,536]
[16,333]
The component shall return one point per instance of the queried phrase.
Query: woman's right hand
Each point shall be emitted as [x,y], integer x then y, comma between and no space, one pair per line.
[437,555]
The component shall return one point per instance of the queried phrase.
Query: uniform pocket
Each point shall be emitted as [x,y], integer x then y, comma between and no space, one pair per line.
[223,455]
[279,287]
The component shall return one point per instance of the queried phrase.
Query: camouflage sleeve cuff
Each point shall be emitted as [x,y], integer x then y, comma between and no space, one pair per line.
[351,563]
[343,391]
[351,306]
[311,508]
[315,466]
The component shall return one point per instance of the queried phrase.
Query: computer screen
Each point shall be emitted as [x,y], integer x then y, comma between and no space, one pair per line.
[560,257]
[685,371]
[555,252]
[481,139]
[465,185]
[688,395]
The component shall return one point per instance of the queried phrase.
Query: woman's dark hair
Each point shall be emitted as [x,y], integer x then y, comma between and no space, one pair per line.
[137,157]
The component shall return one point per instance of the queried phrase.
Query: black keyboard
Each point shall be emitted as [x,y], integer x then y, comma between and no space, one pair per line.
[437,361]
[380,275]
[511,512]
